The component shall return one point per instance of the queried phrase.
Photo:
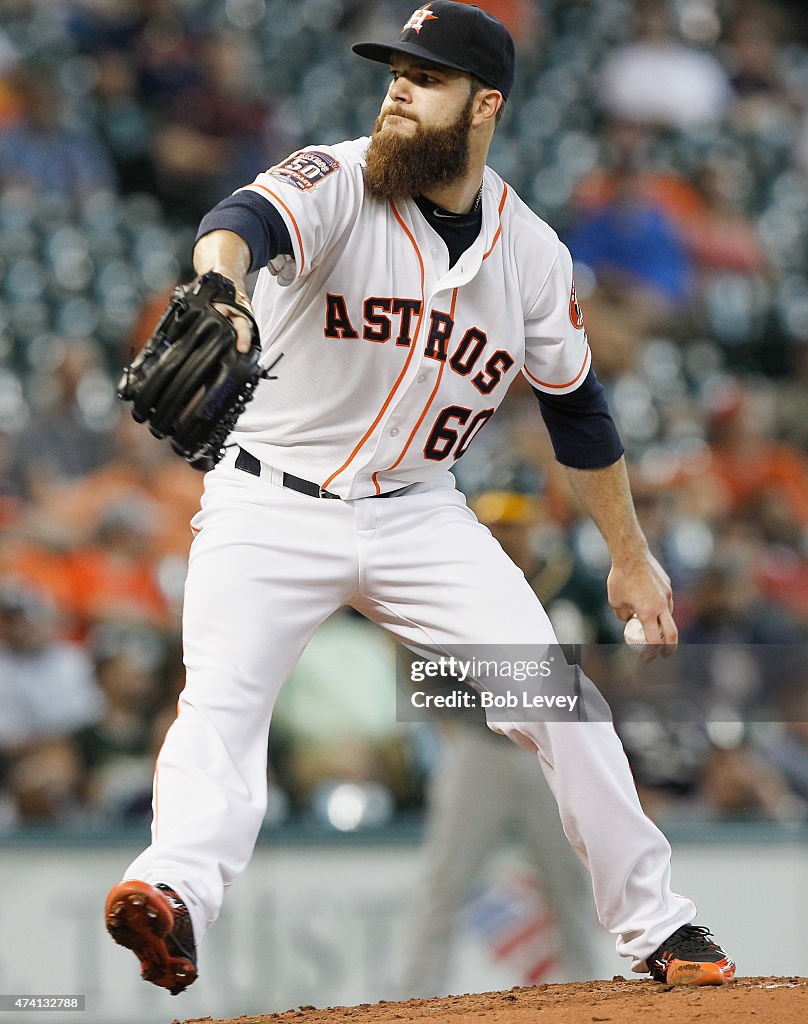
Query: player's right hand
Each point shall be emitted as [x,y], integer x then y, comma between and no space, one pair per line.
[643,588]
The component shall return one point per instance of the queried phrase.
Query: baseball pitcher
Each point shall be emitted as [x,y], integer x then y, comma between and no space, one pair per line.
[406,285]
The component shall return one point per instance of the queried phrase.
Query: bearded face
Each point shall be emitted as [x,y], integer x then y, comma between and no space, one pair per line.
[400,165]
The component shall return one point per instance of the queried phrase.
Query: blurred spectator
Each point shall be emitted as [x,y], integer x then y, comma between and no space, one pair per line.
[140,468]
[68,434]
[632,244]
[728,610]
[632,268]
[118,750]
[100,25]
[47,687]
[719,235]
[115,579]
[628,145]
[738,783]
[217,133]
[48,693]
[113,544]
[45,784]
[122,121]
[733,267]
[789,754]
[39,152]
[37,553]
[683,543]
[746,463]
[166,52]
[783,575]
[658,79]
[752,44]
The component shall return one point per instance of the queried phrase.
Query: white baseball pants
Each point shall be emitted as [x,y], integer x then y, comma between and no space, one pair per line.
[268,565]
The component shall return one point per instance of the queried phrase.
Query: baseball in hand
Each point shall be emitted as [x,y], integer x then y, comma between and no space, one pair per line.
[633,633]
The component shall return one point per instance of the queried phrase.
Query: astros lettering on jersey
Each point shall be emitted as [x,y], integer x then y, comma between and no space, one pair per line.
[393,361]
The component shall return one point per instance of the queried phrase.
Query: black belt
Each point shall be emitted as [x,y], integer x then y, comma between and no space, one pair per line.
[251,465]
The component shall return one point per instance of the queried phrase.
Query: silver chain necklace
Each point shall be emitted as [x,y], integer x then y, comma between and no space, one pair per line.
[444,215]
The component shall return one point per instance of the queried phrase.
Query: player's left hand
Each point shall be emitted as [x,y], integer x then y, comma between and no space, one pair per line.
[193,378]
[641,587]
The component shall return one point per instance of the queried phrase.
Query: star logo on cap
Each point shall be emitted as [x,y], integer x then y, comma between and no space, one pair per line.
[418,18]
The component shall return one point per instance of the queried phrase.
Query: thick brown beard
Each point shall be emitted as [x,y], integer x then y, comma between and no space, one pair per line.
[400,166]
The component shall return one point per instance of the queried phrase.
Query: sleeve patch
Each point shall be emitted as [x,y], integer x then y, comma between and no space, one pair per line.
[305,170]
[576,313]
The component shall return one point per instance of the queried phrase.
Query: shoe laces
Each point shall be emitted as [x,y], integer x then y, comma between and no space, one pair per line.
[689,939]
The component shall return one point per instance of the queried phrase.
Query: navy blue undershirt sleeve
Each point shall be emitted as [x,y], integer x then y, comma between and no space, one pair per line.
[581,428]
[253,219]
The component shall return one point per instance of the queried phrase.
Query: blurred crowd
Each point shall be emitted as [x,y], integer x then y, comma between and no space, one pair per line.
[668,145]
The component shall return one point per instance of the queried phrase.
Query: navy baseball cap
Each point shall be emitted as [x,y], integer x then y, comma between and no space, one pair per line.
[456,35]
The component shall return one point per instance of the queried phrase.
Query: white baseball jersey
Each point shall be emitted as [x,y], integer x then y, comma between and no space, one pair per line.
[393,361]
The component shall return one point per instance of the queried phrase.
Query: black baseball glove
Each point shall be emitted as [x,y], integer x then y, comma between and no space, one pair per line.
[190,382]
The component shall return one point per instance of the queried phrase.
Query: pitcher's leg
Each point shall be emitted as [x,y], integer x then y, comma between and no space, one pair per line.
[439,579]
[254,597]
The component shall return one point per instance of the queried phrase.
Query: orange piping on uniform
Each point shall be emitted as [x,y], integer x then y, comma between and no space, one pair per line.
[429,401]
[278,199]
[499,229]
[400,377]
[569,383]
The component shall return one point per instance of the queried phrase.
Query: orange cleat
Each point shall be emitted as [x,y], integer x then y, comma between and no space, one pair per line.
[690,957]
[154,923]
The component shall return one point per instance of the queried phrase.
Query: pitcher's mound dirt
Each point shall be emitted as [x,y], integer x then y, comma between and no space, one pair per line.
[746,1001]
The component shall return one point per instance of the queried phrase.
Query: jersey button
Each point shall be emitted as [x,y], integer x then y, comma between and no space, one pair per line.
[394,432]
[421,378]
[435,253]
